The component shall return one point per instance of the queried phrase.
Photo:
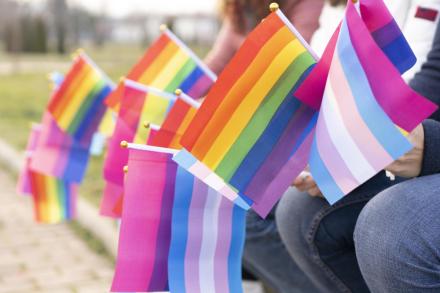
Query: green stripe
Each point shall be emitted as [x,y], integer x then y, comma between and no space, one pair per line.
[86,104]
[183,73]
[261,118]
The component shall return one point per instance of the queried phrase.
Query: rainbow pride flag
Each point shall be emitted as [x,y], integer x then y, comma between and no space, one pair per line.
[140,105]
[364,99]
[77,105]
[250,124]
[176,122]
[168,65]
[386,34]
[54,199]
[207,239]
[24,183]
[145,233]
[58,154]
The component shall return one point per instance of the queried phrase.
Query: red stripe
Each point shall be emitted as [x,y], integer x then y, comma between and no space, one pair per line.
[426,13]
[59,94]
[239,63]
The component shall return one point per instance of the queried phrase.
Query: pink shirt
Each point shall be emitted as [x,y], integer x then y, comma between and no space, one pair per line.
[304,14]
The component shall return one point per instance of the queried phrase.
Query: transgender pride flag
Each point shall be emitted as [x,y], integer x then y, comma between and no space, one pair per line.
[365,101]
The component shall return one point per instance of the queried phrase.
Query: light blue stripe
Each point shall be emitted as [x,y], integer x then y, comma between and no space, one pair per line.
[322,176]
[236,250]
[242,203]
[179,230]
[376,119]
[185,159]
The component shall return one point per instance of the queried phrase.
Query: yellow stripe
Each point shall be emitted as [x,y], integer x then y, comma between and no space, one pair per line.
[107,125]
[53,211]
[153,111]
[169,72]
[71,109]
[159,63]
[251,102]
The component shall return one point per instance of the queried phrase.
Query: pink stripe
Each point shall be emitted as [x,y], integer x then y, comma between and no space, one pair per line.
[281,183]
[375,14]
[200,170]
[140,221]
[224,234]
[404,106]
[356,126]
[195,226]
[112,193]
[331,158]
[201,87]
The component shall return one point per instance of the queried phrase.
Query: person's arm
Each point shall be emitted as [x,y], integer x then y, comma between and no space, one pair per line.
[431,152]
[304,15]
[227,43]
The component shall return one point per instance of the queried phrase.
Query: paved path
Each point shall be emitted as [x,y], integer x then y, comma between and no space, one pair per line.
[44,258]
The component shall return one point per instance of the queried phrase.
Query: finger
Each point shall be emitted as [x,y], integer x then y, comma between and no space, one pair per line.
[306,184]
[315,192]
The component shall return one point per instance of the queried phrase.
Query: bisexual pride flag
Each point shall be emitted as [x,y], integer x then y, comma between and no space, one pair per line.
[365,103]
[385,33]
[207,239]
[168,65]
[77,105]
[250,124]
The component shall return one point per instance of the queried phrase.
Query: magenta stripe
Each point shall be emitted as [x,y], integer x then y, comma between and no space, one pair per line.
[280,154]
[201,87]
[281,183]
[194,242]
[356,126]
[224,234]
[332,159]
[375,14]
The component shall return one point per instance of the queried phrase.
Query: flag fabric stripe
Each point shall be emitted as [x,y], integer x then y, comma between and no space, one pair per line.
[174,64]
[185,71]
[263,116]
[236,67]
[239,89]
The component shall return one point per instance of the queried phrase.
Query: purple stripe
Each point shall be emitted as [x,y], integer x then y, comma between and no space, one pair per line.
[159,278]
[280,154]
[224,234]
[387,34]
[194,242]
[201,87]
[281,183]
[332,159]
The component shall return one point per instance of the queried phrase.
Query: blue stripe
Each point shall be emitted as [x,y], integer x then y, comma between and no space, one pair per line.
[322,176]
[236,250]
[191,80]
[185,159]
[179,230]
[309,128]
[243,202]
[76,164]
[377,120]
[400,54]
[268,139]
[95,112]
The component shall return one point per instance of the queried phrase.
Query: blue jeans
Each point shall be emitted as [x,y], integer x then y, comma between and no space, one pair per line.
[397,238]
[308,245]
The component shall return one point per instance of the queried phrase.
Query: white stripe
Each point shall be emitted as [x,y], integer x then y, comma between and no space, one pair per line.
[154,127]
[149,89]
[146,147]
[191,54]
[296,33]
[209,242]
[345,145]
[189,100]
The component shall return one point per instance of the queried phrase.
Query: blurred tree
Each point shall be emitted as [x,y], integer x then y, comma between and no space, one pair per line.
[60,15]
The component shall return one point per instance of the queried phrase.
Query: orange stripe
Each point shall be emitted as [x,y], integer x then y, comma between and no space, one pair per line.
[241,61]
[159,63]
[240,89]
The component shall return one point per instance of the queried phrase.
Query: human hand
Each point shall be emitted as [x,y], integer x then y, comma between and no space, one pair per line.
[410,164]
[305,183]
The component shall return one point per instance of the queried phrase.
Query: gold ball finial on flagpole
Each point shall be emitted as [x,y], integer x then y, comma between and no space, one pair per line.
[122,79]
[124,144]
[77,52]
[274,6]
[146,124]
[354,1]
[163,27]
[125,169]
[178,92]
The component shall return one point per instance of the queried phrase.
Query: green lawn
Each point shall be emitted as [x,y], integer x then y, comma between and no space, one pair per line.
[24,95]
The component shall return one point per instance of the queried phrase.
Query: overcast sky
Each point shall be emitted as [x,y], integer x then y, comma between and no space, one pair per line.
[123,7]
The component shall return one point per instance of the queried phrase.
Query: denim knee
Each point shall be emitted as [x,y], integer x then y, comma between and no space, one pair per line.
[397,240]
